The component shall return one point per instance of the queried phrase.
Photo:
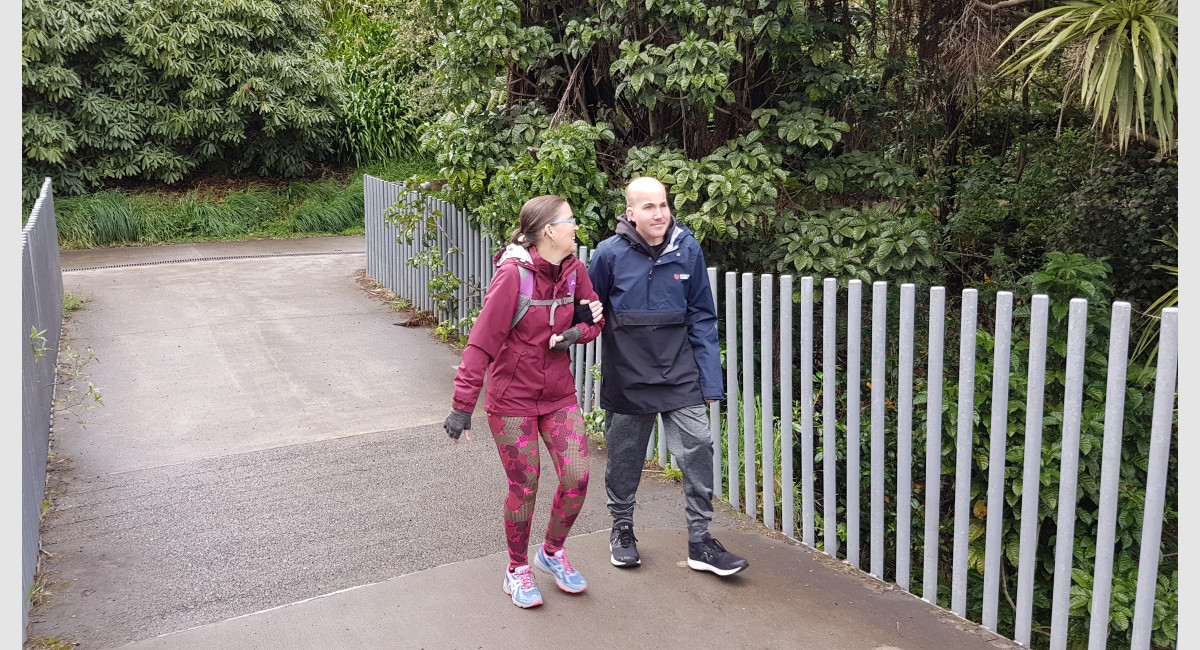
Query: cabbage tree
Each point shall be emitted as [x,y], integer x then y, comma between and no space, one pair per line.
[1125,54]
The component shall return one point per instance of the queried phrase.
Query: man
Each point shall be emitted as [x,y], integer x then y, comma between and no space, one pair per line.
[661,356]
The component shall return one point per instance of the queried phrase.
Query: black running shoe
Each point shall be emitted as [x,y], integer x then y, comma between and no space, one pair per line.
[623,545]
[709,555]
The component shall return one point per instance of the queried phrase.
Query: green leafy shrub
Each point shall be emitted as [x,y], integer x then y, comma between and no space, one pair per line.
[870,244]
[153,91]
[575,98]
[1124,211]
[1009,206]
[564,164]
[382,48]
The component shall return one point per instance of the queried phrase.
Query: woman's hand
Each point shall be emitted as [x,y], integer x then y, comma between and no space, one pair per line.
[561,342]
[458,423]
[596,306]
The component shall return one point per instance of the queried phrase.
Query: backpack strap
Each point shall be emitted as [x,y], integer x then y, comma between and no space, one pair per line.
[525,297]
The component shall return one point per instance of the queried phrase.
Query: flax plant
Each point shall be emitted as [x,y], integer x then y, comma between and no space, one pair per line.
[1147,345]
[1124,47]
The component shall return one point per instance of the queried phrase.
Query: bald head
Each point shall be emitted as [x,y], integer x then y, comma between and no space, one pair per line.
[641,185]
[647,209]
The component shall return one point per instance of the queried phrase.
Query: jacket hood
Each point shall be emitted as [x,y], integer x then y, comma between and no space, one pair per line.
[515,252]
[529,258]
[675,234]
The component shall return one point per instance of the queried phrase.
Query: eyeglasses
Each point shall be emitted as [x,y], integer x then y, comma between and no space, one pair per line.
[571,220]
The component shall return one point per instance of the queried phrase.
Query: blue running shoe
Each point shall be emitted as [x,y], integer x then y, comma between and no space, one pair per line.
[519,583]
[557,565]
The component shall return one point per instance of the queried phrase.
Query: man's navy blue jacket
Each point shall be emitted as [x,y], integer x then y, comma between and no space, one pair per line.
[660,345]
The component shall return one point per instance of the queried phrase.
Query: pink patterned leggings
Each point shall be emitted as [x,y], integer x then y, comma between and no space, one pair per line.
[516,440]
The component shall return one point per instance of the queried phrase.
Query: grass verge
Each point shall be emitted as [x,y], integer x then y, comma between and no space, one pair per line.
[233,211]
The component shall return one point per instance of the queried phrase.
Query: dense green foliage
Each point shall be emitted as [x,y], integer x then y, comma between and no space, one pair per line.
[574,98]
[381,47]
[791,134]
[156,90]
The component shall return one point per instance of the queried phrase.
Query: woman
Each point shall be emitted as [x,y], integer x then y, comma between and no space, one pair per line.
[530,388]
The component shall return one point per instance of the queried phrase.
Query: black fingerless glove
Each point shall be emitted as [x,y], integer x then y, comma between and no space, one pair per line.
[569,338]
[583,314]
[457,422]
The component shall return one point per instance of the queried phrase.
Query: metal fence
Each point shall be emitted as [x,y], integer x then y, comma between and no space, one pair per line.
[747,435]
[465,252]
[41,328]
[895,420]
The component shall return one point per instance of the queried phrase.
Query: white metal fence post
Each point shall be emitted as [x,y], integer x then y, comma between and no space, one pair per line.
[878,418]
[998,441]
[714,409]
[766,391]
[1156,477]
[731,384]
[853,433]
[933,442]
[1031,477]
[748,446]
[808,512]
[904,456]
[1110,474]
[964,433]
[1068,482]
[829,412]
[785,405]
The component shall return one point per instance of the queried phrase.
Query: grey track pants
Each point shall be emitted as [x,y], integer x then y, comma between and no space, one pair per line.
[688,438]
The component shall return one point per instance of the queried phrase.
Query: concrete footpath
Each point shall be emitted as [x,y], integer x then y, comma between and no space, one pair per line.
[268,470]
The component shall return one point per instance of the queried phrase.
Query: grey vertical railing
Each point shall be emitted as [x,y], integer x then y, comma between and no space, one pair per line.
[598,343]
[767,395]
[829,411]
[1064,554]
[731,387]
[1031,475]
[785,406]
[964,441]
[714,410]
[41,312]
[904,457]
[806,412]
[589,360]
[933,441]
[1156,478]
[1110,473]
[853,415]
[999,438]
[748,434]
[466,252]
[748,445]
[878,382]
